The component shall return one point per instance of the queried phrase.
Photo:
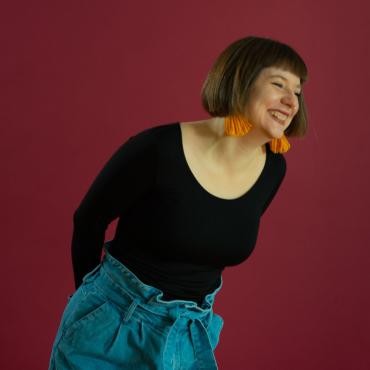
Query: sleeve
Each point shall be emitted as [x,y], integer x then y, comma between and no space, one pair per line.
[127,175]
[281,176]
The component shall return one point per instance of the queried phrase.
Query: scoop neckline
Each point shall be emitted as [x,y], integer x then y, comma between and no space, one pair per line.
[205,191]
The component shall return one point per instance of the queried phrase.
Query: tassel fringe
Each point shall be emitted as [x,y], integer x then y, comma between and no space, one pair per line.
[239,126]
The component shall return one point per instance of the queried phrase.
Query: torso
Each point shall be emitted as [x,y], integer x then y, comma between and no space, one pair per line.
[220,181]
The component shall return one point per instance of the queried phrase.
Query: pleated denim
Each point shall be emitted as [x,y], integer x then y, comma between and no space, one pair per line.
[115,321]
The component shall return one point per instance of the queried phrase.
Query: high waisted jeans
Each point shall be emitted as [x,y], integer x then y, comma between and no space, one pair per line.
[115,321]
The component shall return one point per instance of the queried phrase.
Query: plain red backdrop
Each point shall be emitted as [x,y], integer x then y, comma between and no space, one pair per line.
[79,77]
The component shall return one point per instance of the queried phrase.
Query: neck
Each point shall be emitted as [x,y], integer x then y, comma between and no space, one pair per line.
[244,149]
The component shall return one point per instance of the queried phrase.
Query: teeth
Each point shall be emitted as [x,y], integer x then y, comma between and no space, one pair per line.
[278,115]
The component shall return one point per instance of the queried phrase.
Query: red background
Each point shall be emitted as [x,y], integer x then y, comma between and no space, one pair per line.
[79,77]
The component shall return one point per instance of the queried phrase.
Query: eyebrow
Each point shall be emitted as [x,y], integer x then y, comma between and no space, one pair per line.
[284,78]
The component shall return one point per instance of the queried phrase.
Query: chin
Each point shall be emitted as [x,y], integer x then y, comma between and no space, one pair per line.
[275,135]
[273,132]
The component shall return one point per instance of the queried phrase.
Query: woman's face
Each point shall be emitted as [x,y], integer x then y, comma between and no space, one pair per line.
[273,101]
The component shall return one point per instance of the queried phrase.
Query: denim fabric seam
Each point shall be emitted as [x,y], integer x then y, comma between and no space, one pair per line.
[63,330]
[127,294]
[85,296]
[139,310]
[129,274]
[85,318]
[148,322]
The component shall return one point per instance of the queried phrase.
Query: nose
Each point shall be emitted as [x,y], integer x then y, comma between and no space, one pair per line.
[290,100]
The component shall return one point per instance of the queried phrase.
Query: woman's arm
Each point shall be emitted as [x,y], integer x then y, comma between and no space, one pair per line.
[128,174]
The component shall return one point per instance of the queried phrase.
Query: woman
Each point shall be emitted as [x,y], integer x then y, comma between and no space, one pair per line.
[189,197]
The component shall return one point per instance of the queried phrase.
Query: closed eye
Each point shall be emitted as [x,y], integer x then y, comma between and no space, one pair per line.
[280,85]
[277,84]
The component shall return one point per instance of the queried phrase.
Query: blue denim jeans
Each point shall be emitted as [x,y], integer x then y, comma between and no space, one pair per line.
[115,321]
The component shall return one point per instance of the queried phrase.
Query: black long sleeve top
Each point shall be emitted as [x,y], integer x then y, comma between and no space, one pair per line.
[172,233]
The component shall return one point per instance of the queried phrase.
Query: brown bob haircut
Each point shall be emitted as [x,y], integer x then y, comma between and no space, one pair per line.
[228,84]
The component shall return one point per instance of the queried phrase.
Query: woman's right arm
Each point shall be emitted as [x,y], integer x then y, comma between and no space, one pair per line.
[127,175]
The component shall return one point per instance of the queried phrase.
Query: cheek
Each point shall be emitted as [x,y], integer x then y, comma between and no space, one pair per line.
[257,111]
[261,115]
[272,100]
[262,102]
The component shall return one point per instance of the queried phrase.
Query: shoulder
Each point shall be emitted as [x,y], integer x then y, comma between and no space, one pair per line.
[156,130]
[152,135]
[140,146]
[277,167]
[278,160]
[149,136]
[281,167]
[281,162]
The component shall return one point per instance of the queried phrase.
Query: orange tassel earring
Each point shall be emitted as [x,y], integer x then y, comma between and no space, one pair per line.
[239,126]
[280,145]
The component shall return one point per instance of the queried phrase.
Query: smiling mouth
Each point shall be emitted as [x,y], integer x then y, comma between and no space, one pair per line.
[279,117]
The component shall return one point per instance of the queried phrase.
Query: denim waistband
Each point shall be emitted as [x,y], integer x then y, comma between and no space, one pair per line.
[122,282]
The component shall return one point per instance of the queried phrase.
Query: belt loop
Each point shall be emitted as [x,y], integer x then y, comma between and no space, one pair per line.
[174,312]
[130,310]
[90,274]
